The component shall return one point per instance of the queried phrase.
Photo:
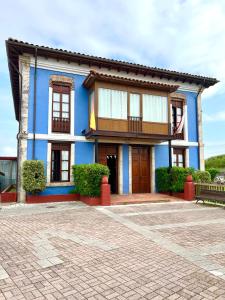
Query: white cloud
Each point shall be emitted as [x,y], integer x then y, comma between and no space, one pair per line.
[217,117]
[180,35]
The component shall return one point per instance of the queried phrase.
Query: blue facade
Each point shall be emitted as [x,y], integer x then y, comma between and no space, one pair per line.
[125,150]
[84,151]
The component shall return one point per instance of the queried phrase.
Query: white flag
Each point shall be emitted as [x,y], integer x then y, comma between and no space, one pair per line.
[180,126]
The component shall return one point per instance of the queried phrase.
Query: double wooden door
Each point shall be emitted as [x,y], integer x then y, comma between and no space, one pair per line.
[140,169]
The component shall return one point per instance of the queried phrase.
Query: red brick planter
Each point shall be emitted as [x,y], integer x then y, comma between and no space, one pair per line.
[90,200]
[51,198]
[7,197]
[174,194]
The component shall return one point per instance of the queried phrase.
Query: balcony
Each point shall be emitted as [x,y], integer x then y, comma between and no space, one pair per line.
[134,124]
[61,125]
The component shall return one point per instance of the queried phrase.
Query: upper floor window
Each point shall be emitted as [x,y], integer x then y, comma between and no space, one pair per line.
[155,108]
[177,114]
[61,108]
[112,104]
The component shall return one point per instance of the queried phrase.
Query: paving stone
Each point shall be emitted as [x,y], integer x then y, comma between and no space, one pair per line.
[79,252]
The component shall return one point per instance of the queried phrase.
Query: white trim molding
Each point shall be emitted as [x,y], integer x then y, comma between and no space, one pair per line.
[180,143]
[187,158]
[152,168]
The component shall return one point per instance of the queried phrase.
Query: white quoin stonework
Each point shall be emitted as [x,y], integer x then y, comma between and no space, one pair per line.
[200,135]
[22,136]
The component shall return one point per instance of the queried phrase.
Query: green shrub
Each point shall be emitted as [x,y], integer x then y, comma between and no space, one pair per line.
[87,178]
[162,179]
[213,172]
[33,173]
[173,181]
[178,178]
[202,176]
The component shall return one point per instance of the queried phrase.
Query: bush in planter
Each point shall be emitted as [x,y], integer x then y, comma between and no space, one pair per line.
[87,178]
[202,176]
[178,178]
[213,172]
[173,180]
[34,179]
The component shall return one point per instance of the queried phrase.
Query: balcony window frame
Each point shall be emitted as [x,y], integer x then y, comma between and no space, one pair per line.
[61,89]
[57,146]
[175,154]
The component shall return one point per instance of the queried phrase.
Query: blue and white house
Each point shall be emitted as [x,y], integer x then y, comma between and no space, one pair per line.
[74,108]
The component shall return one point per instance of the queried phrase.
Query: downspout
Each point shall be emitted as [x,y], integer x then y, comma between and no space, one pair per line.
[199,131]
[34,108]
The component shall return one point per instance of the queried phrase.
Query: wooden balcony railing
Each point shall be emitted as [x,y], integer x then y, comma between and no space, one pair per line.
[134,124]
[61,125]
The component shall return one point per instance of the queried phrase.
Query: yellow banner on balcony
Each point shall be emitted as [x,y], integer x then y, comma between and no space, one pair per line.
[92,117]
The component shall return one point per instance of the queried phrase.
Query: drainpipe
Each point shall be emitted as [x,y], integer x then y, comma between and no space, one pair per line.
[199,132]
[34,108]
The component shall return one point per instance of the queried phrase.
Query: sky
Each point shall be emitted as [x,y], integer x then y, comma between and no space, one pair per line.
[182,35]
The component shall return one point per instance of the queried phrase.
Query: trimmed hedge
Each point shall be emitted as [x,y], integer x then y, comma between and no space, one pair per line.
[33,173]
[202,177]
[213,172]
[172,181]
[162,179]
[87,178]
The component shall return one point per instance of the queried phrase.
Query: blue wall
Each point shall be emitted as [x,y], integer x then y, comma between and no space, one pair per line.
[57,190]
[193,157]
[81,101]
[125,169]
[40,151]
[161,156]
[84,153]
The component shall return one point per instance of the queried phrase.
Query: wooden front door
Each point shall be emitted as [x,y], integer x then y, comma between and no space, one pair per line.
[140,169]
[108,156]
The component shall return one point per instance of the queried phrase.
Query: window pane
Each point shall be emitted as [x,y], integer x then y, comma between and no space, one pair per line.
[104,103]
[179,111]
[56,106]
[56,97]
[65,155]
[56,114]
[134,105]
[65,98]
[65,107]
[65,175]
[119,104]
[180,158]
[155,109]
[65,115]
[65,165]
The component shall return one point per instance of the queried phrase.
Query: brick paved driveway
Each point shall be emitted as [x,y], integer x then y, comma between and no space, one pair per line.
[149,251]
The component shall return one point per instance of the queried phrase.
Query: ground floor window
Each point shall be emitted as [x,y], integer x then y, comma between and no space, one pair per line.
[179,157]
[60,162]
